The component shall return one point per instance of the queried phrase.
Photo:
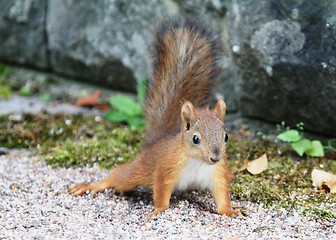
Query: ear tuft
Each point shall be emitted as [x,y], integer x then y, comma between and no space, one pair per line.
[220,109]
[188,114]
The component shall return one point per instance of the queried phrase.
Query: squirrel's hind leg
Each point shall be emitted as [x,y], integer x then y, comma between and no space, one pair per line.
[122,178]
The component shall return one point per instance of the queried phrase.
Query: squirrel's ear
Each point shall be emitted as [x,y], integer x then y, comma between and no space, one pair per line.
[188,114]
[220,109]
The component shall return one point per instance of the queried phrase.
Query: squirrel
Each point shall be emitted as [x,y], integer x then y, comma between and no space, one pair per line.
[185,142]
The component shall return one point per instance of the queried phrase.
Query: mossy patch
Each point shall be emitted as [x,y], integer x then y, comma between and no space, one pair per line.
[78,141]
[287,181]
[71,140]
[115,146]
[5,88]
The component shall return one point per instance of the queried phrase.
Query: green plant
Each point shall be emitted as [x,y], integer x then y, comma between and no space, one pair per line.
[330,147]
[300,144]
[5,88]
[45,97]
[26,90]
[141,91]
[4,72]
[126,109]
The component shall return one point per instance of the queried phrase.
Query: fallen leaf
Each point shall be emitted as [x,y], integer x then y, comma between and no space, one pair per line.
[320,177]
[90,100]
[258,165]
[103,107]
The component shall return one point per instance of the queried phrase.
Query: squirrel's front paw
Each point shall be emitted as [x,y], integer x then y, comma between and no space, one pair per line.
[151,216]
[79,189]
[154,214]
[231,213]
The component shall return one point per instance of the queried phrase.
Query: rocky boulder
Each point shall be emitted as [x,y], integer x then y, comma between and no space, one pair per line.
[102,42]
[105,42]
[22,33]
[280,63]
[285,52]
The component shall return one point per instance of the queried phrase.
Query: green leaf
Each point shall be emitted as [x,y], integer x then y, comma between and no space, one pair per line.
[316,149]
[289,136]
[301,146]
[330,147]
[141,90]
[45,97]
[136,122]
[116,116]
[126,105]
[25,91]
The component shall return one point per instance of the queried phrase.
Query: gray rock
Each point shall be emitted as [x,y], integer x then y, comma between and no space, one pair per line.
[285,52]
[102,42]
[229,86]
[280,62]
[213,12]
[105,42]
[22,33]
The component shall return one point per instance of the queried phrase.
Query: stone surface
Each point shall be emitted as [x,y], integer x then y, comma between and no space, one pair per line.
[280,61]
[109,42]
[285,52]
[22,33]
[105,42]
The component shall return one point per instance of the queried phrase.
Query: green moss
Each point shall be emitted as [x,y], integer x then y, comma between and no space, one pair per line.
[71,140]
[78,141]
[5,88]
[287,181]
[5,91]
[108,150]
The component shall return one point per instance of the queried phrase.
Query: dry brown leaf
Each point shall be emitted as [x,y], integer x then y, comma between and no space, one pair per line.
[258,165]
[320,177]
[90,100]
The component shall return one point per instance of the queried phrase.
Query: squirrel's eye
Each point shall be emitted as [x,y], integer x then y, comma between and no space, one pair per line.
[196,139]
[226,137]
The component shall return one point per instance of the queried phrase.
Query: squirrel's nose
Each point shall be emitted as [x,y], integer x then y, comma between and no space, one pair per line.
[215,156]
[214,159]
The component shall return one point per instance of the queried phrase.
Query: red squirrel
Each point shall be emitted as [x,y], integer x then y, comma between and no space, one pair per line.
[185,143]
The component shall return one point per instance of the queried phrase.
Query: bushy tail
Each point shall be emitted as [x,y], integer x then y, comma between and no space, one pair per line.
[185,67]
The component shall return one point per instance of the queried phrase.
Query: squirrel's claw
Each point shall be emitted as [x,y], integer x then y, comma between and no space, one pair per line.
[78,189]
[151,216]
[234,213]
[240,214]
[157,211]
[82,188]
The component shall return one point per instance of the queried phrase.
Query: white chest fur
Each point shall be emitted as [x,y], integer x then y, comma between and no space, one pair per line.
[196,175]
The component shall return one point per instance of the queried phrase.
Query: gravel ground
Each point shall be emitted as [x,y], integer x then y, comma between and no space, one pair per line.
[35,205]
